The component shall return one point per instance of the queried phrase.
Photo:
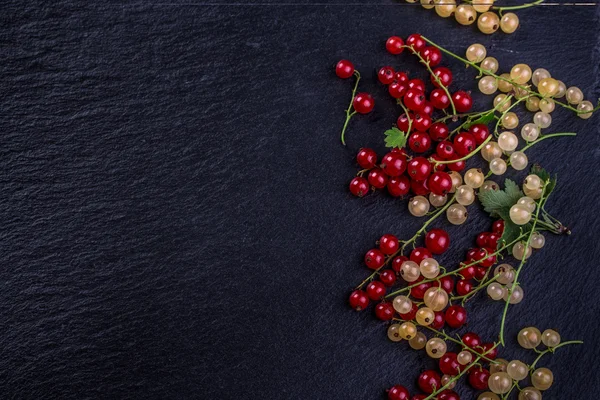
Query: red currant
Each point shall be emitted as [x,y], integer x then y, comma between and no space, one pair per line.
[445,150]
[480,132]
[409,316]
[446,283]
[463,287]
[437,241]
[489,258]
[363,103]
[421,123]
[376,290]
[439,99]
[398,186]
[414,99]
[419,187]
[456,166]
[374,259]
[418,292]
[480,273]
[419,168]
[386,75]
[498,227]
[462,101]
[359,300]
[359,186]
[366,158]
[397,263]
[433,55]
[471,340]
[419,142]
[344,69]
[419,254]
[448,395]
[444,75]
[388,277]
[489,350]
[401,77]
[398,392]
[429,381]
[492,240]
[404,121]
[397,89]
[388,244]
[394,45]
[456,316]
[417,84]
[439,131]
[440,183]
[464,143]
[419,397]
[438,167]
[482,239]
[439,321]
[478,378]
[377,178]
[449,365]
[394,164]
[427,108]
[416,42]
[468,272]
[384,311]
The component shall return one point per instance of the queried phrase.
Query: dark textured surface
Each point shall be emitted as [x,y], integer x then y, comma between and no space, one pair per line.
[175,218]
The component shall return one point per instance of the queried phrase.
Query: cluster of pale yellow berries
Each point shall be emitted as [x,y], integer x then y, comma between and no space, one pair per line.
[488,21]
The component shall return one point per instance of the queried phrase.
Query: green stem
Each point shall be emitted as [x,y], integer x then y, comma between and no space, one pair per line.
[450,338]
[535,3]
[482,285]
[552,350]
[350,107]
[471,154]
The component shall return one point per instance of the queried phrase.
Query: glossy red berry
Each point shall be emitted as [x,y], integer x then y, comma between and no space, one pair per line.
[444,75]
[429,381]
[398,186]
[480,132]
[386,75]
[438,167]
[480,273]
[471,340]
[421,123]
[449,365]
[456,316]
[389,244]
[397,262]
[439,99]
[492,240]
[478,378]
[377,178]
[401,77]
[448,395]
[398,392]
[419,168]
[468,272]
[359,186]
[419,142]
[344,69]
[463,287]
[384,311]
[359,300]
[419,254]
[498,226]
[437,240]
[363,103]
[464,143]
[458,165]
[439,321]
[416,84]
[440,183]
[433,55]
[374,259]
[409,316]
[394,45]
[394,164]
[376,290]
[414,99]
[427,108]
[439,131]
[388,277]
[416,42]
[446,283]
[419,188]
[418,292]
[445,150]
[489,350]
[482,239]
[489,258]
[397,89]
[404,121]
[366,158]
[462,101]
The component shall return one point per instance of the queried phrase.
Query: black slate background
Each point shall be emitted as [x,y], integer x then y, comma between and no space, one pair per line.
[175,216]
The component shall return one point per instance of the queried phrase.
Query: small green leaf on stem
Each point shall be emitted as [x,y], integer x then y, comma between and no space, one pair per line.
[484,119]
[395,138]
[498,202]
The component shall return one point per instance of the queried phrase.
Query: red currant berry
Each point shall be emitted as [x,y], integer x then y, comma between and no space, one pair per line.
[344,69]
[456,166]
[468,272]
[440,183]
[464,143]
[398,392]
[394,45]
[439,131]
[388,244]
[419,397]
[418,292]
[490,258]
[427,108]
[456,316]
[419,168]
[471,340]
[429,381]
[398,186]
[414,99]
[393,164]
[419,254]
[439,99]
[404,121]
[397,263]
[482,239]
[419,188]
[401,77]
[384,311]
[448,395]
[433,55]
[359,300]
[462,101]
[409,316]
[366,158]
[397,89]
[377,178]
[437,240]
[376,290]
[374,259]
[363,103]
[463,287]
[439,321]
[489,350]
[359,186]
[480,273]
[492,240]
[449,365]
[446,283]
[421,123]
[478,378]
[419,142]
[438,167]
[416,42]
[480,132]
[498,227]
[444,75]
[445,150]
[386,75]
[416,84]
[388,277]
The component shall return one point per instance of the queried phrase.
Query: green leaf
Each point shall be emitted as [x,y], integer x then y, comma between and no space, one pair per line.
[484,119]
[545,177]
[512,232]
[395,138]
[499,202]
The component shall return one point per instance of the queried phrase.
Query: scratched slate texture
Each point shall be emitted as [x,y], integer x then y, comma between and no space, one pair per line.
[175,216]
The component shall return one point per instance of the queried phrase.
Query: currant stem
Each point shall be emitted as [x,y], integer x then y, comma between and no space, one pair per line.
[459,342]
[482,285]
[471,154]
[552,350]
[350,107]
[535,3]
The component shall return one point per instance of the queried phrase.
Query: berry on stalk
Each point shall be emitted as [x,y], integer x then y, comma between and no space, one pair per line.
[344,69]
[359,186]
[394,45]
[374,259]
[366,158]
[414,99]
[363,103]
[437,241]
[359,300]
[386,75]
